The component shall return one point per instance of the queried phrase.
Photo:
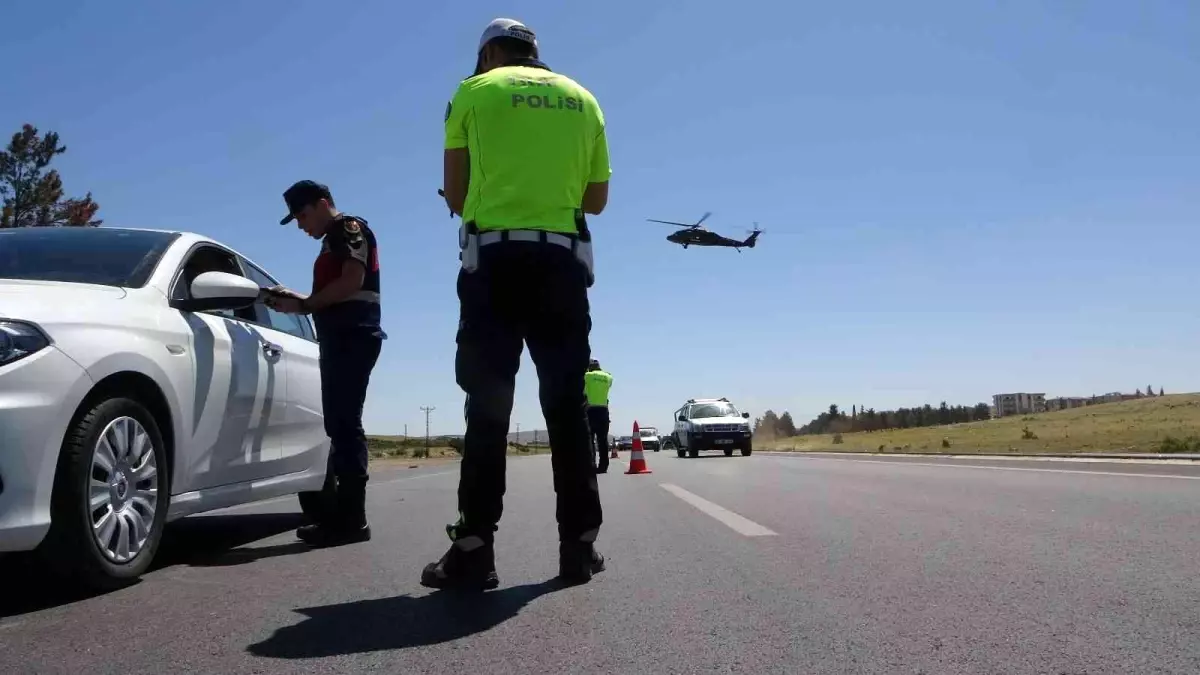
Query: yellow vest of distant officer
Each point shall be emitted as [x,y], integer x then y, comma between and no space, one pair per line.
[535,139]
[596,384]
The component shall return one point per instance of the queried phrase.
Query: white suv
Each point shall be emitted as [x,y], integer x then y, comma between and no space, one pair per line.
[650,440]
[142,380]
[711,424]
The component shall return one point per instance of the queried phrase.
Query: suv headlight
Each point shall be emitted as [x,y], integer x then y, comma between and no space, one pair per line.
[18,340]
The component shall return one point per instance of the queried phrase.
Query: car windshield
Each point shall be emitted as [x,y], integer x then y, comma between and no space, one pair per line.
[703,410]
[646,433]
[87,255]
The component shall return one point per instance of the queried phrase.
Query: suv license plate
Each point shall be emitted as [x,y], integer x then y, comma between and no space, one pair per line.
[724,441]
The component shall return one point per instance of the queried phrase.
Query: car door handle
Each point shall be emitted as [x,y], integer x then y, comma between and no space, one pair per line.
[271,350]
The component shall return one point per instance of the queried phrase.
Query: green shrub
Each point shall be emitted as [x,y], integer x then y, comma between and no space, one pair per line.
[1172,444]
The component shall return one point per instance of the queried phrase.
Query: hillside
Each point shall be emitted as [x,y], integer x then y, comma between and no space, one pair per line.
[1144,425]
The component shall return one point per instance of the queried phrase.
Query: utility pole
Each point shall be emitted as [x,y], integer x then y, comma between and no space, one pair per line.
[405,431]
[518,432]
[427,410]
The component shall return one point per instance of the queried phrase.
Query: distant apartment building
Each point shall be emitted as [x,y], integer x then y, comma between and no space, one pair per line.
[1004,405]
[1066,403]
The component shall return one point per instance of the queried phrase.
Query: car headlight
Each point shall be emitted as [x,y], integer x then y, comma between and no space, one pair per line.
[18,340]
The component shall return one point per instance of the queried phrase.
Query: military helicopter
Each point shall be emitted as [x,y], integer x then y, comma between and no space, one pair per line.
[695,235]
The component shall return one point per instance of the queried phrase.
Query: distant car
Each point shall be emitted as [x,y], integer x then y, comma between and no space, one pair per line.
[711,424]
[624,442]
[650,440]
[141,381]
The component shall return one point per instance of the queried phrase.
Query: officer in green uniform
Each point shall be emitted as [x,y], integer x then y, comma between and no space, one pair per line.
[597,384]
[525,158]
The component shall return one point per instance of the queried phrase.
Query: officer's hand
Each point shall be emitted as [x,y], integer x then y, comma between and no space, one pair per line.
[283,291]
[284,303]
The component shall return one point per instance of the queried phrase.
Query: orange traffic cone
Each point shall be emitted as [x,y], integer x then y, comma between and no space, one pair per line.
[637,463]
[614,450]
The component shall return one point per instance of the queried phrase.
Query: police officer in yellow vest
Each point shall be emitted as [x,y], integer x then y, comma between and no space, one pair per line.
[597,384]
[525,158]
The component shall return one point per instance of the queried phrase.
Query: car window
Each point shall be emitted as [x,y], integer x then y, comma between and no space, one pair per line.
[291,324]
[209,259]
[703,410]
[89,255]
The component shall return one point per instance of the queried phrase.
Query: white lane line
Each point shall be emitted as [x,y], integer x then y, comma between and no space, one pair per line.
[424,475]
[743,526]
[1014,468]
[273,500]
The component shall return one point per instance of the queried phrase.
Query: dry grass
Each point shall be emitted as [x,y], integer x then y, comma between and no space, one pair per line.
[1143,425]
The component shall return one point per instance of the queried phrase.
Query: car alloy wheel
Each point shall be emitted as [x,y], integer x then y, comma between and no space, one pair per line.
[123,492]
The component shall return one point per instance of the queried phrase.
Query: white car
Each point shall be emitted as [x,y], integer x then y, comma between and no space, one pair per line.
[650,440]
[711,424]
[141,381]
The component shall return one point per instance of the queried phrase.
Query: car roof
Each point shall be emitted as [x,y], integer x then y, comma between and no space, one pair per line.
[188,239]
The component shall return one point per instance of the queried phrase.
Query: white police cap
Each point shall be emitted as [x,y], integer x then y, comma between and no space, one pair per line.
[506,28]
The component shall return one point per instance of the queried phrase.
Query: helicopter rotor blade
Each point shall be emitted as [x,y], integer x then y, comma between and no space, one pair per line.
[703,218]
[669,222]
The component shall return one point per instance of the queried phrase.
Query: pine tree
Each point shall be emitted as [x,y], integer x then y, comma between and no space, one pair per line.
[33,196]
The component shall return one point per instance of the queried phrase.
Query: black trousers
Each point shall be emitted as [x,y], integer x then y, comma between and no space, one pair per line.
[347,359]
[536,294]
[598,421]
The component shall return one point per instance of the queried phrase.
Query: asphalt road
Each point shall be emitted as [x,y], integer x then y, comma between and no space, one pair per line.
[764,564]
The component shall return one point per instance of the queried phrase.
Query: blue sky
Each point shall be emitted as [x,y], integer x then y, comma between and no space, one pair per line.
[959,198]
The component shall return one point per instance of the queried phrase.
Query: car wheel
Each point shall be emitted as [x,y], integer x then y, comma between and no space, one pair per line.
[746,451]
[319,504]
[729,452]
[693,453]
[681,452]
[110,498]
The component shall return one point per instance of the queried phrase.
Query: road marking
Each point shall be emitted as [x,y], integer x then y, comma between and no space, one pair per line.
[424,475]
[273,500]
[735,522]
[1013,468]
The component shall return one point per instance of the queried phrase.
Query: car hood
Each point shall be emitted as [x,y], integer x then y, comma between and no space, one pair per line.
[43,301]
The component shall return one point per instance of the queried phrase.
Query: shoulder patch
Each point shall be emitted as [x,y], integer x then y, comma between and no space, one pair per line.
[352,227]
[449,107]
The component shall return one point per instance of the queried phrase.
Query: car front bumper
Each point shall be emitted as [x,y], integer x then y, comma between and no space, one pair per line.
[721,440]
[37,398]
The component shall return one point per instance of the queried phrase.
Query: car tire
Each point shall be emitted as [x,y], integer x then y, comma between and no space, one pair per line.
[107,434]
[318,505]
[729,452]
[746,450]
[693,453]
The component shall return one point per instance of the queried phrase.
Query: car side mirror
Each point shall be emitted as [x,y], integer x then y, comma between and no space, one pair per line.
[746,415]
[680,418]
[219,290]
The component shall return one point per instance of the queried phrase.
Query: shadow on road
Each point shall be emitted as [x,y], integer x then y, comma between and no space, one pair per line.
[211,541]
[401,622]
[197,541]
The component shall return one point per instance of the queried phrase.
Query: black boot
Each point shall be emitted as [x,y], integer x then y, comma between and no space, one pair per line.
[469,564]
[578,561]
[348,522]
